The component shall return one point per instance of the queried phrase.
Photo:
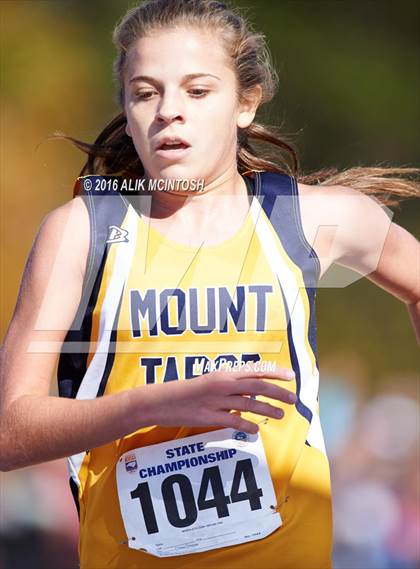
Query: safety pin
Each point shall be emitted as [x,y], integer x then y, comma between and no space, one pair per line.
[263,421]
[125,542]
[276,508]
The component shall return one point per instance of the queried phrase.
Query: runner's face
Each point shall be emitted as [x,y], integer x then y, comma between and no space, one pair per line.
[203,110]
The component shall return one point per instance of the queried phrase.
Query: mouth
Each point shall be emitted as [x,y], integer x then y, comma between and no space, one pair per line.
[173,149]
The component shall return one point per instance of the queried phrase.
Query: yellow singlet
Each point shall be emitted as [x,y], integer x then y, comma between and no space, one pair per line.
[154,310]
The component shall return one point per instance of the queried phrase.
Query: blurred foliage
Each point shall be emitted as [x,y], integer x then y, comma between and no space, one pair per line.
[349,94]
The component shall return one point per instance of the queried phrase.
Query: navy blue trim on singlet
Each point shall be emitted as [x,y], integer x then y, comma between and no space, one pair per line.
[72,366]
[75,493]
[303,409]
[285,217]
[105,209]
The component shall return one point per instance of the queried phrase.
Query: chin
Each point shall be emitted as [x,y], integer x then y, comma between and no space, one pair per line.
[176,171]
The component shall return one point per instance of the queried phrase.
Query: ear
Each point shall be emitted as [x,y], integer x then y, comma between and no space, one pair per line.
[127,130]
[249,106]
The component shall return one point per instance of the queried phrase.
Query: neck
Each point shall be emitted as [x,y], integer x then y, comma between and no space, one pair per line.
[226,191]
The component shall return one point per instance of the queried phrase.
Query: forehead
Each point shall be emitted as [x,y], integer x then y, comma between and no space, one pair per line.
[179,51]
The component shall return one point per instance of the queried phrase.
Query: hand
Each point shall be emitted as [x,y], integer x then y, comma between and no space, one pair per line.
[208,400]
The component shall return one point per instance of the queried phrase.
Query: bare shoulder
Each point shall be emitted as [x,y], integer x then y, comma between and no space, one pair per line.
[338,221]
[337,200]
[73,211]
[328,203]
[55,267]
[65,233]
[325,194]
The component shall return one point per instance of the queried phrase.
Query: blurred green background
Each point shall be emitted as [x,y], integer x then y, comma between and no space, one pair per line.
[349,93]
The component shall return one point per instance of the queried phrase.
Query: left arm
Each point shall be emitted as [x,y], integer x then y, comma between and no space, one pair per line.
[398,271]
[386,253]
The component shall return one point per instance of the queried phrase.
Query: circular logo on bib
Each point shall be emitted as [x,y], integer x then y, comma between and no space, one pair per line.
[241,437]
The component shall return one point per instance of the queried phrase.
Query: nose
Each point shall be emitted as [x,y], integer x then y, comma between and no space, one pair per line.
[169,109]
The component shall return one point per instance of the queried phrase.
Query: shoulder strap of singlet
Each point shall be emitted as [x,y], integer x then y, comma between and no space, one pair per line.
[106,210]
[279,198]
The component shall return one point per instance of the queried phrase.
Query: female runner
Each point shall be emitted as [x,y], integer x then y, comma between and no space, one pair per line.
[179,314]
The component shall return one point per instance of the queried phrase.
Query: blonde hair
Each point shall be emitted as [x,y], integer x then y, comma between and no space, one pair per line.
[113,151]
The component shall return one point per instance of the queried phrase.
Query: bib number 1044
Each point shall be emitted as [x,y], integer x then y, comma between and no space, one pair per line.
[211,480]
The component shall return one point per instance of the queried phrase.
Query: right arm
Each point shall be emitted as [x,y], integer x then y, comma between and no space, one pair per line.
[36,427]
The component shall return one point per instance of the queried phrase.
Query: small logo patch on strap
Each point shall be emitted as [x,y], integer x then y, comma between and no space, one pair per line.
[116,235]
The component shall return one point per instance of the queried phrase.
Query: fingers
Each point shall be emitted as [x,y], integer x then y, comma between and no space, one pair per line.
[278,373]
[258,387]
[235,422]
[247,404]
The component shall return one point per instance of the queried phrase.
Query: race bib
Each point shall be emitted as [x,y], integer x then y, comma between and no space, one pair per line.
[197,493]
